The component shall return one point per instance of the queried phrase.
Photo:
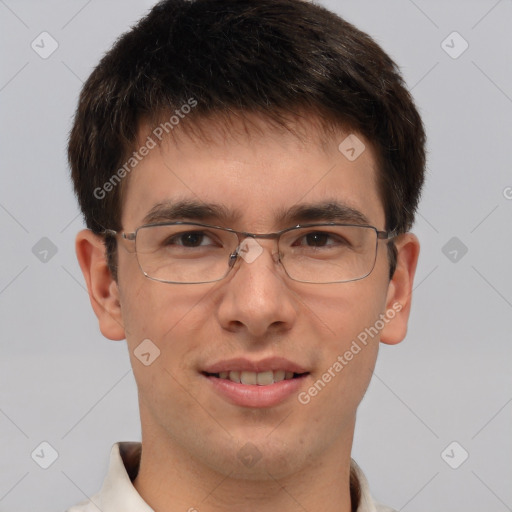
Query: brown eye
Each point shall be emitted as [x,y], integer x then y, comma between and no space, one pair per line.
[189,239]
[320,239]
[317,239]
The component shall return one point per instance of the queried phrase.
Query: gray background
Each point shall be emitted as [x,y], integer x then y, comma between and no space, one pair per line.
[450,380]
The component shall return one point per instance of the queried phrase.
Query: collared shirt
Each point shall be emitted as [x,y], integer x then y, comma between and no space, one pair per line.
[119,495]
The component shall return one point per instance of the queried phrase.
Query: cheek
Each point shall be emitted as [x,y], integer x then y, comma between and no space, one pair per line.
[169,316]
[148,307]
[160,337]
[348,315]
[342,311]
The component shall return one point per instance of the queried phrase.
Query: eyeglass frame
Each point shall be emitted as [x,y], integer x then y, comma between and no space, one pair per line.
[242,235]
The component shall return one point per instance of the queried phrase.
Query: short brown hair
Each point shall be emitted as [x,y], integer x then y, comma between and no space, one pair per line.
[269,57]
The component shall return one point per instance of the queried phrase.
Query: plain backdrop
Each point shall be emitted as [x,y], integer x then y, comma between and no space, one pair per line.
[442,395]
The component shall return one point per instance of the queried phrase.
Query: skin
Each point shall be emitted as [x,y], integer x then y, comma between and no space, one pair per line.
[191,435]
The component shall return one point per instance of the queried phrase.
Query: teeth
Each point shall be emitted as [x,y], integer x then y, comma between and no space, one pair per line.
[257,378]
[234,376]
[248,377]
[264,378]
[279,375]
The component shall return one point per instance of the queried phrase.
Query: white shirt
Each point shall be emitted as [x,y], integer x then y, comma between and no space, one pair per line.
[119,495]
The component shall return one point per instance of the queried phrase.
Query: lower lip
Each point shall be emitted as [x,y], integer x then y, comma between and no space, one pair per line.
[255,396]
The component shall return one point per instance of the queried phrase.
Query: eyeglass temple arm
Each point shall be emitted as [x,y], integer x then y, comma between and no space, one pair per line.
[126,236]
[387,235]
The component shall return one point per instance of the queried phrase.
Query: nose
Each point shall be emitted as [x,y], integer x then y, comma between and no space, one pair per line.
[256,298]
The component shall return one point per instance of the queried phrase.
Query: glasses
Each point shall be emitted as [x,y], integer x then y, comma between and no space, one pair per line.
[193,253]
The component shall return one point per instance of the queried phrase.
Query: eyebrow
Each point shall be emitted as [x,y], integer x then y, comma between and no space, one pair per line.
[324,211]
[190,210]
[331,211]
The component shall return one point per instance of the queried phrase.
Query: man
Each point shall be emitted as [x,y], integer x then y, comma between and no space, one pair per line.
[249,172]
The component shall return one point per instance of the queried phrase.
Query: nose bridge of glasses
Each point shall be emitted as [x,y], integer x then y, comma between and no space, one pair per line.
[252,245]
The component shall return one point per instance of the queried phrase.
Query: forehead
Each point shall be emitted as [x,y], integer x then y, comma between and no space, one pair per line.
[254,173]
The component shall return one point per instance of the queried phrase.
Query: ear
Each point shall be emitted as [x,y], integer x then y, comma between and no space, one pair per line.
[102,288]
[399,296]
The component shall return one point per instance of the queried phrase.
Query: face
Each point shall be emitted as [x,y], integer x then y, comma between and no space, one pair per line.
[256,319]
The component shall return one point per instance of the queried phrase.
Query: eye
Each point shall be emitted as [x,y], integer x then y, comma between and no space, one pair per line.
[189,239]
[317,239]
[320,239]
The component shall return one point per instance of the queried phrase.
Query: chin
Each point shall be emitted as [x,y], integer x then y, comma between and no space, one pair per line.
[264,459]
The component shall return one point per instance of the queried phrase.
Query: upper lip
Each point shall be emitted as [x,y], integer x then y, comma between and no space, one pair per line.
[262,365]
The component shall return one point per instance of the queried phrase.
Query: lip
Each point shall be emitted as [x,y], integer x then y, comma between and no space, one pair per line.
[263,365]
[255,396]
[248,395]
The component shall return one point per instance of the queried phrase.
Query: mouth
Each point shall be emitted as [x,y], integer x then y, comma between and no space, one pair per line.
[264,378]
[265,383]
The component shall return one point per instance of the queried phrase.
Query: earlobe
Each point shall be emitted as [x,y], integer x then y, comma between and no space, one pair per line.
[102,288]
[398,300]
